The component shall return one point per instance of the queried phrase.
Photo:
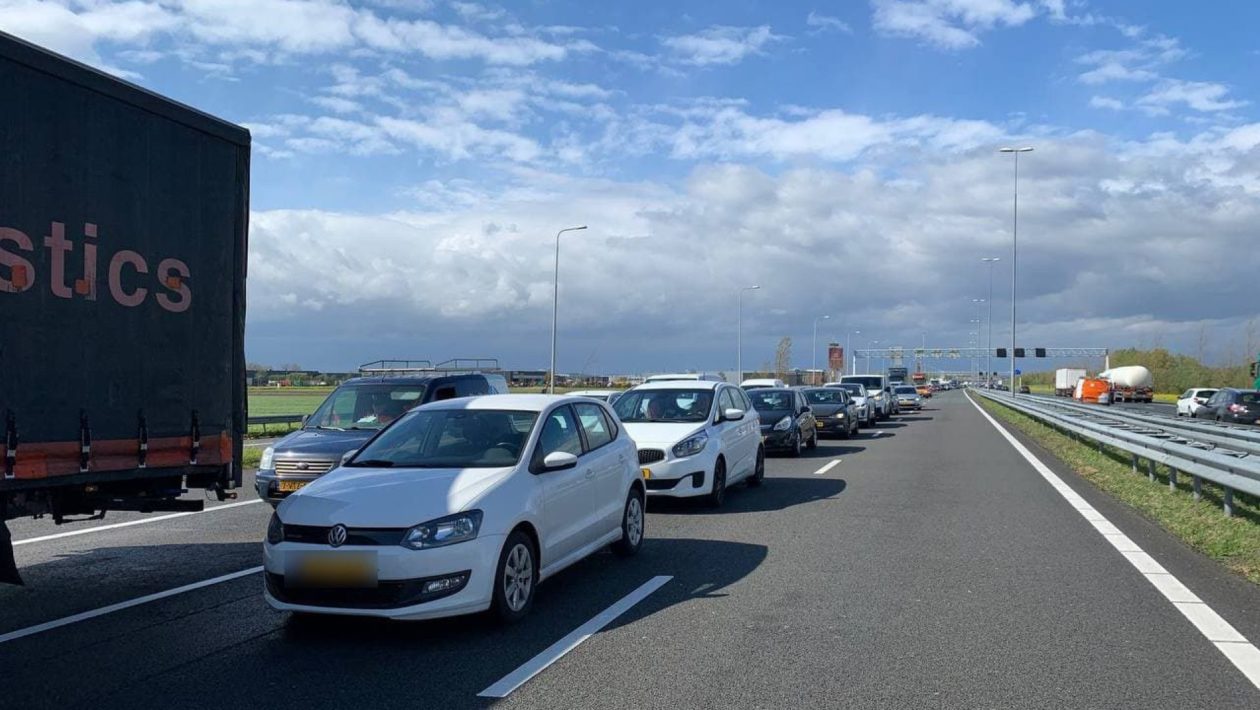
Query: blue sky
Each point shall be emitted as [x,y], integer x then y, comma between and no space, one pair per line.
[413,160]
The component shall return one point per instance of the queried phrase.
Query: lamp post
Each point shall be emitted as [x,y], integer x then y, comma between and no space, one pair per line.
[813,367]
[978,302]
[988,366]
[739,336]
[555,308]
[849,351]
[1014,252]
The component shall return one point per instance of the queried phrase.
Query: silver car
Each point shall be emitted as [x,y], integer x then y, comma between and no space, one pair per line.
[861,399]
[907,397]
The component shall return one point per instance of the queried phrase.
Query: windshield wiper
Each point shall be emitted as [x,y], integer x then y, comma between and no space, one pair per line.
[330,428]
[372,463]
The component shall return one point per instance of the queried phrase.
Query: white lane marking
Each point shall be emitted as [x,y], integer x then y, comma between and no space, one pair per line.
[1233,645]
[877,433]
[826,468]
[557,650]
[129,523]
[84,616]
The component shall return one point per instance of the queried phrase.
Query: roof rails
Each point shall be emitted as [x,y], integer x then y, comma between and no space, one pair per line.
[446,367]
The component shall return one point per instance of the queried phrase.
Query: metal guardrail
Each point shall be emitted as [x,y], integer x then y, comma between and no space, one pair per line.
[1195,430]
[1232,470]
[287,419]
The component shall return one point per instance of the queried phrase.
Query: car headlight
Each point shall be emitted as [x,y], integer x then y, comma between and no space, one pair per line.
[839,415]
[275,530]
[691,446]
[460,527]
[783,424]
[268,460]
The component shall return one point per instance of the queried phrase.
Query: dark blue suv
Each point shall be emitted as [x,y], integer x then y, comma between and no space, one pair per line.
[351,415]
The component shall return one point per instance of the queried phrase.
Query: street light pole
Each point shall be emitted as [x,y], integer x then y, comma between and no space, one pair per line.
[849,351]
[739,336]
[555,308]
[988,366]
[977,301]
[813,367]
[1014,254]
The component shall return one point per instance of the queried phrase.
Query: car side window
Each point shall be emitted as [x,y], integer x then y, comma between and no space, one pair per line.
[559,433]
[1187,394]
[444,392]
[729,400]
[593,423]
[471,386]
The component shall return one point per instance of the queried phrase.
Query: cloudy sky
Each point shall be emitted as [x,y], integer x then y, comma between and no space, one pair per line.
[413,160]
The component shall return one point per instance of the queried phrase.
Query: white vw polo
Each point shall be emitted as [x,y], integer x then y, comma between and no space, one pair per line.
[695,438]
[458,507]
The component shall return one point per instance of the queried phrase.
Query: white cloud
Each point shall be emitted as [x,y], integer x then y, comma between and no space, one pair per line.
[719,44]
[1199,95]
[1114,71]
[337,104]
[824,23]
[473,268]
[289,27]
[950,24]
[1107,103]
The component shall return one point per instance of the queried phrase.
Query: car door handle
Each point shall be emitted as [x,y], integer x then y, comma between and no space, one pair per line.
[589,473]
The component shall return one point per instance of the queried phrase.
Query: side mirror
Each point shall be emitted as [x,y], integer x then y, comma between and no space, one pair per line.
[348,455]
[733,415]
[305,418]
[559,460]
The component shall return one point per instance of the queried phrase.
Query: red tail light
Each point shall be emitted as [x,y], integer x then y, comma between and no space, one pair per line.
[1236,408]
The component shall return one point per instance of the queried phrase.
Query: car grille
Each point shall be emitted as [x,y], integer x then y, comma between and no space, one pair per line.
[651,456]
[303,466]
[662,485]
[318,535]
[385,595]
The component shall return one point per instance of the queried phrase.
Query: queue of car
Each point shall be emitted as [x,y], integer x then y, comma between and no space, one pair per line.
[424,497]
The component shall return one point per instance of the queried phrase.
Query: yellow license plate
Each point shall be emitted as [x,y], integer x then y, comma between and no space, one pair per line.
[338,569]
[818,424]
[290,486]
[647,473]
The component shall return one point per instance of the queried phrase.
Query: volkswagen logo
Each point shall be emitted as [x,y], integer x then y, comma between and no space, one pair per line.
[337,535]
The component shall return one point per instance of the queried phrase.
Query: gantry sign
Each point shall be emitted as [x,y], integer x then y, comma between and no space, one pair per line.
[895,353]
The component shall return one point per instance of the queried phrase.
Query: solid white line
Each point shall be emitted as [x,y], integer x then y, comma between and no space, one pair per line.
[129,523]
[84,616]
[1233,645]
[826,468]
[557,650]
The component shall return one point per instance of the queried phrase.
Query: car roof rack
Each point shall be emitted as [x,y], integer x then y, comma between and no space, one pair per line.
[454,366]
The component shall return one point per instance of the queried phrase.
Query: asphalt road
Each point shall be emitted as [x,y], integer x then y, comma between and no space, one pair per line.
[933,566]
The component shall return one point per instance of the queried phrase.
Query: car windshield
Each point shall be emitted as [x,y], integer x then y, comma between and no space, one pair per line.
[366,406]
[825,396]
[853,387]
[871,383]
[666,405]
[771,400]
[906,390]
[450,438]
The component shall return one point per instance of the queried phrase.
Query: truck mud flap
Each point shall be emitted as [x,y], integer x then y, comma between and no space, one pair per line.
[8,567]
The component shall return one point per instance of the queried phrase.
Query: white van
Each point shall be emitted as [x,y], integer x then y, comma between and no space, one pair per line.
[684,377]
[762,383]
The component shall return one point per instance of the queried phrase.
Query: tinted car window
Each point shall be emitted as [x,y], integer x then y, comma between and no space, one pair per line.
[1248,398]
[906,390]
[771,400]
[834,395]
[366,406]
[592,418]
[664,405]
[450,438]
[559,433]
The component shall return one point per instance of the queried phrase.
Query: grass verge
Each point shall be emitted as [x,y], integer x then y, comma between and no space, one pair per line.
[1234,542]
[251,456]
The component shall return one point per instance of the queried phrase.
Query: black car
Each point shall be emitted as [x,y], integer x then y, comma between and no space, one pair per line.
[352,415]
[787,422]
[1231,405]
[1025,389]
[834,410]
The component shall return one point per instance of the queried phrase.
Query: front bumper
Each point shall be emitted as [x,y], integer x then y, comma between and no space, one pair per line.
[685,477]
[831,425]
[401,574]
[772,439]
[910,404]
[267,483]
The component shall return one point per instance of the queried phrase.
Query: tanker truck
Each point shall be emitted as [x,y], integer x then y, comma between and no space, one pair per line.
[1132,383]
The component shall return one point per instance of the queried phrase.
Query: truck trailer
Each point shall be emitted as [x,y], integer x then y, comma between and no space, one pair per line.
[123,228]
[1132,383]
[1065,380]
